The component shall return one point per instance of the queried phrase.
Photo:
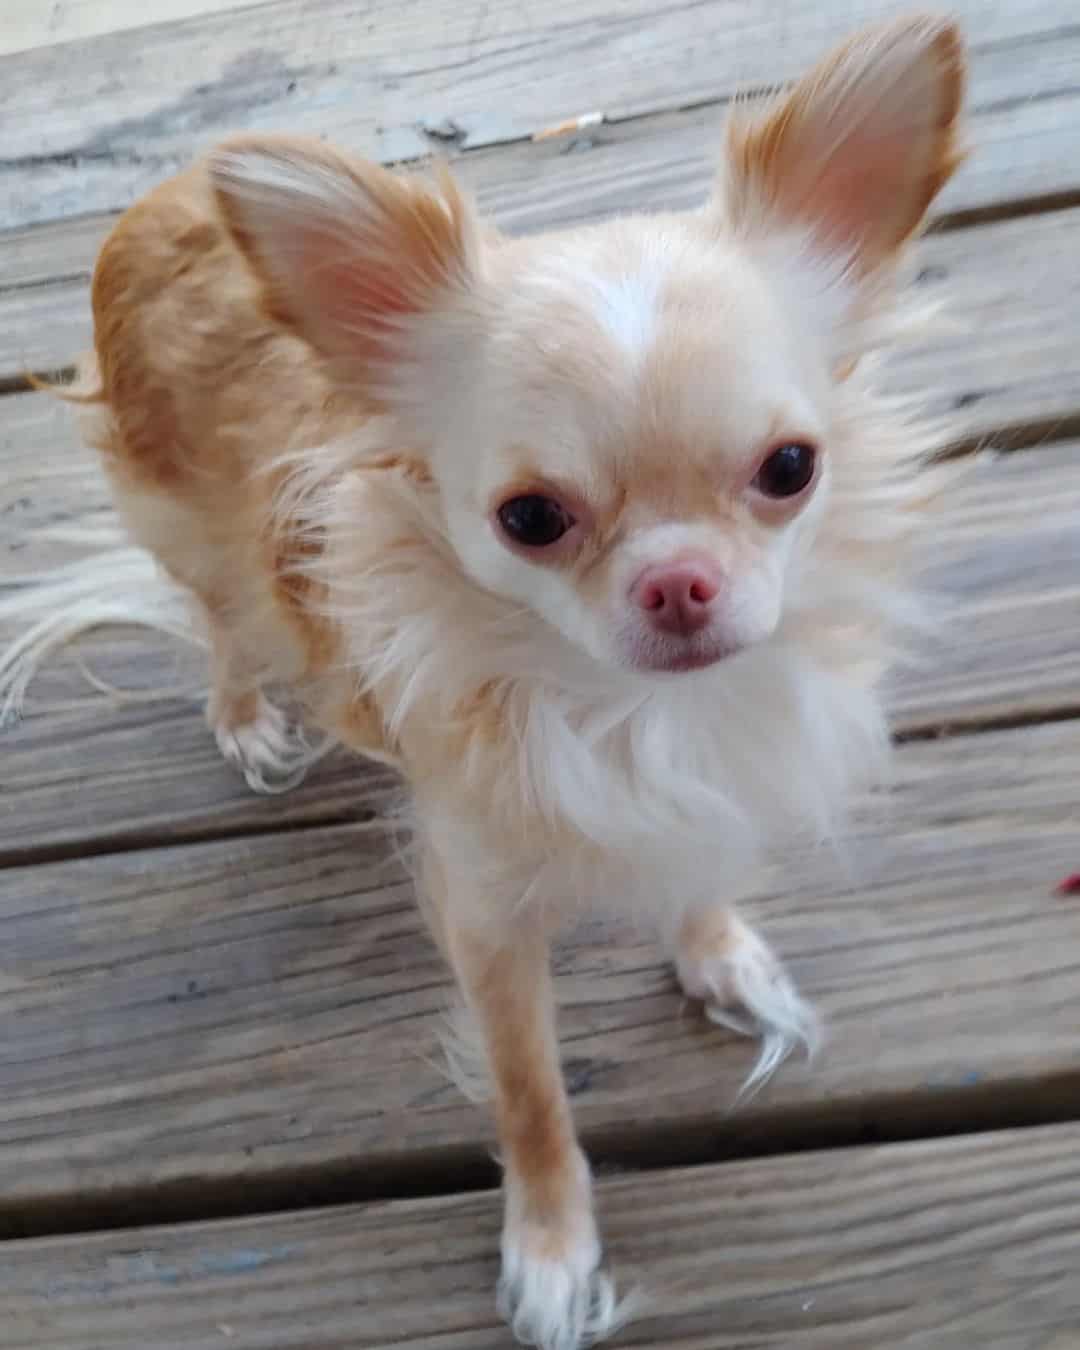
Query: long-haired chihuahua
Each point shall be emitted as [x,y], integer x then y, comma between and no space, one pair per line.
[599,537]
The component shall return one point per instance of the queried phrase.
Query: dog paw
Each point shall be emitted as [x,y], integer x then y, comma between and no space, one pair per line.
[553,1294]
[745,988]
[269,750]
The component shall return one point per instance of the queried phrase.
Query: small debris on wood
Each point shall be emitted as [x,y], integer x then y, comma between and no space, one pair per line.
[445,129]
[592,119]
[1069,886]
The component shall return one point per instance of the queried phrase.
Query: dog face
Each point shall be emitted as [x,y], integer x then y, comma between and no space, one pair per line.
[635,446]
[631,426]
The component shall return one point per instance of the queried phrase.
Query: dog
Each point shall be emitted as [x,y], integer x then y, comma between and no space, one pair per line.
[600,538]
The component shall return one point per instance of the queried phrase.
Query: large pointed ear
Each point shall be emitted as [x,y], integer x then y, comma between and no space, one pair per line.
[858,149]
[347,252]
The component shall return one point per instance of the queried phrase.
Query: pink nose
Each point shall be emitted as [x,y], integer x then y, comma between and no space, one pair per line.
[676,595]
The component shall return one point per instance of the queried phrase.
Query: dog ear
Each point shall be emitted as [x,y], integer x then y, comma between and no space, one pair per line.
[858,149]
[347,252]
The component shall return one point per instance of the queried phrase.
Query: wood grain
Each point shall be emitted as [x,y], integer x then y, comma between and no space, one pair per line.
[81,771]
[226,1023]
[89,126]
[950,1245]
[29,23]
[1003,569]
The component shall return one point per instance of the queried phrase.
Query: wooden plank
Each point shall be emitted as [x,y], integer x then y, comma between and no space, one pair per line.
[951,1244]
[89,126]
[1004,366]
[1004,569]
[234,1022]
[29,23]
[81,770]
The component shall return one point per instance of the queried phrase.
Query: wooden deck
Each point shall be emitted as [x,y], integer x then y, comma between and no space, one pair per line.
[222,1117]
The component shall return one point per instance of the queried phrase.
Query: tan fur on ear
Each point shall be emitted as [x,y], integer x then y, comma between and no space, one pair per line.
[860,147]
[345,249]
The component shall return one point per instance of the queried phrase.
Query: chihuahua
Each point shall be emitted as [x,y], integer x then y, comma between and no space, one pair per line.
[598,537]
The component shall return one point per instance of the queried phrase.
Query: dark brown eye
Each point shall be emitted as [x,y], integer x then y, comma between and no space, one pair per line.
[534,521]
[786,471]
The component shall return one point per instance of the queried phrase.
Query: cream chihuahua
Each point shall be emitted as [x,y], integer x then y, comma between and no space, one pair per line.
[597,536]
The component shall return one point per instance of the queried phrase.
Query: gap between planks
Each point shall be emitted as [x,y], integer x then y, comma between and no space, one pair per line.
[950,1244]
[949,1113]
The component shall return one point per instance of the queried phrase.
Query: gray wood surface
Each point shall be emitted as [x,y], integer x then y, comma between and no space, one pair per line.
[29,23]
[89,126]
[252,1015]
[946,1245]
[1004,568]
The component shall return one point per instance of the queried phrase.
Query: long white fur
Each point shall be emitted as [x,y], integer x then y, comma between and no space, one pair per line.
[559,1300]
[564,1304]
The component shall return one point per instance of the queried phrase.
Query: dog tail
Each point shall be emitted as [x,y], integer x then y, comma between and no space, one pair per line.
[106,581]
[119,586]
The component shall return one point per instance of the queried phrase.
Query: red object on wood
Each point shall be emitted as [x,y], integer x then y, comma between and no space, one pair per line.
[1070,886]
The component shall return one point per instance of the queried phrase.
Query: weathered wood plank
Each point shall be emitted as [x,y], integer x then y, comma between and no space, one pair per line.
[951,1244]
[1005,570]
[90,126]
[80,770]
[251,1018]
[29,23]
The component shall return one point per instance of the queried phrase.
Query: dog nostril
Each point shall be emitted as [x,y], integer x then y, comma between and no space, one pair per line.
[677,596]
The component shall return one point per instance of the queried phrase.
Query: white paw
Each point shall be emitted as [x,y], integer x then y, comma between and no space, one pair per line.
[747,989]
[553,1294]
[269,751]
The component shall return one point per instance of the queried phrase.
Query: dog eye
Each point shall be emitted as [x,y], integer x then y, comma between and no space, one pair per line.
[786,471]
[534,521]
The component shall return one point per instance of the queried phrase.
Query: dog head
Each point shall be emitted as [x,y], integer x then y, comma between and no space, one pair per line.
[632,426]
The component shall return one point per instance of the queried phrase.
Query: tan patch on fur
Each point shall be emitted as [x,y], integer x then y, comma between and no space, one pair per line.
[185,361]
[357,722]
[708,932]
[509,988]
[411,239]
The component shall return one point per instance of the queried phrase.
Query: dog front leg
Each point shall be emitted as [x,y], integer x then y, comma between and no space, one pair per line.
[551,1289]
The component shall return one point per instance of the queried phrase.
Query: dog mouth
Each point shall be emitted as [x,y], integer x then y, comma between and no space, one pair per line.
[652,654]
[693,661]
